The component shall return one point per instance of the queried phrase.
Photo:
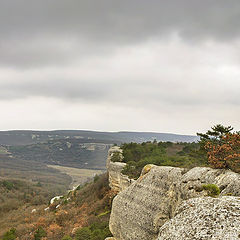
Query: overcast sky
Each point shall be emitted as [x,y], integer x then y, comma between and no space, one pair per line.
[110,65]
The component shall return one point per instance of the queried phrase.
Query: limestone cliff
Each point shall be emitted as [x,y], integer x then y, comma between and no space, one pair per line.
[151,207]
[117,181]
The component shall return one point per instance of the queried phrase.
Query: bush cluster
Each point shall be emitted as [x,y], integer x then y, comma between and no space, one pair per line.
[10,235]
[213,190]
[97,231]
[222,146]
[160,153]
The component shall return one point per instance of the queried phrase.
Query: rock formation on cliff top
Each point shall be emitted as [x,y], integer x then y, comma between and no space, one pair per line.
[139,211]
[117,181]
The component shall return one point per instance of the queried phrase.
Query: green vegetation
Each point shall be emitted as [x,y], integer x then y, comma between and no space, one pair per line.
[214,135]
[66,152]
[136,156]
[213,190]
[86,208]
[222,147]
[116,157]
[24,186]
[66,238]
[39,234]
[10,235]
[8,185]
[97,231]
[83,234]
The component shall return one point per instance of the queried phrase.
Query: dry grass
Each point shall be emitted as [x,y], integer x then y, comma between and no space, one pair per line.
[79,176]
[88,206]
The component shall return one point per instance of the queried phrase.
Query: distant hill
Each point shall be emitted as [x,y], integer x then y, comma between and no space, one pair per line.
[23,137]
[65,152]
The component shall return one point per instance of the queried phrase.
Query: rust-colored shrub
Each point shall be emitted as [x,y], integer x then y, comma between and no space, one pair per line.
[225,153]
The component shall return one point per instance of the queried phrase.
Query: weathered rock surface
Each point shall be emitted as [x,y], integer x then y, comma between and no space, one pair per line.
[141,209]
[191,181]
[117,180]
[204,218]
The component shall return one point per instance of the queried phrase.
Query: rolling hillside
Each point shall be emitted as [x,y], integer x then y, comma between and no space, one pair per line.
[22,137]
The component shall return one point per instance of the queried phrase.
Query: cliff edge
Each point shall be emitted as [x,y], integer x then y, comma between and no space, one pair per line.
[117,181]
[171,203]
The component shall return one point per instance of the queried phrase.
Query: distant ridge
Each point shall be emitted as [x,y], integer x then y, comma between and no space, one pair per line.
[25,137]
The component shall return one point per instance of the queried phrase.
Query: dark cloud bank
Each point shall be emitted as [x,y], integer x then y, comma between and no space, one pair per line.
[174,56]
[44,28]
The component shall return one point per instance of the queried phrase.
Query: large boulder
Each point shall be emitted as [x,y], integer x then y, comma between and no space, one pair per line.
[192,181]
[203,219]
[141,209]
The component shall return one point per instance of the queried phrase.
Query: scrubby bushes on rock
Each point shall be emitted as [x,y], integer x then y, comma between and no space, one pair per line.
[213,190]
[116,157]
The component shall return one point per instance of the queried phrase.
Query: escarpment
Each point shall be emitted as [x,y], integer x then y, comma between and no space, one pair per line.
[164,199]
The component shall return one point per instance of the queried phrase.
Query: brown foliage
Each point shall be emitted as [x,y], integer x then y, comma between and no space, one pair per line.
[225,153]
[84,208]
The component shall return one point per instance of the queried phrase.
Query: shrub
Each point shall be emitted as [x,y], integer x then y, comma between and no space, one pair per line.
[213,190]
[116,157]
[226,153]
[8,185]
[83,234]
[100,231]
[222,146]
[97,231]
[97,235]
[66,238]
[10,235]
[95,179]
[39,234]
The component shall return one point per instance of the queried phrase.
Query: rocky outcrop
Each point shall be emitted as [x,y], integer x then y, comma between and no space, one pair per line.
[139,211]
[117,180]
[204,218]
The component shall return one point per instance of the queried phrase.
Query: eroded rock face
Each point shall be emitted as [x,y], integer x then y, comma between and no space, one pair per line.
[191,181]
[204,218]
[117,181]
[141,209]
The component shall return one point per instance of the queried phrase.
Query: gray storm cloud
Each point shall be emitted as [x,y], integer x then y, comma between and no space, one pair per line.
[45,32]
[111,20]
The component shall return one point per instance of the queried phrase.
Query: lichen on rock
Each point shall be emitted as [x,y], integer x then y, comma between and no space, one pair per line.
[204,218]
